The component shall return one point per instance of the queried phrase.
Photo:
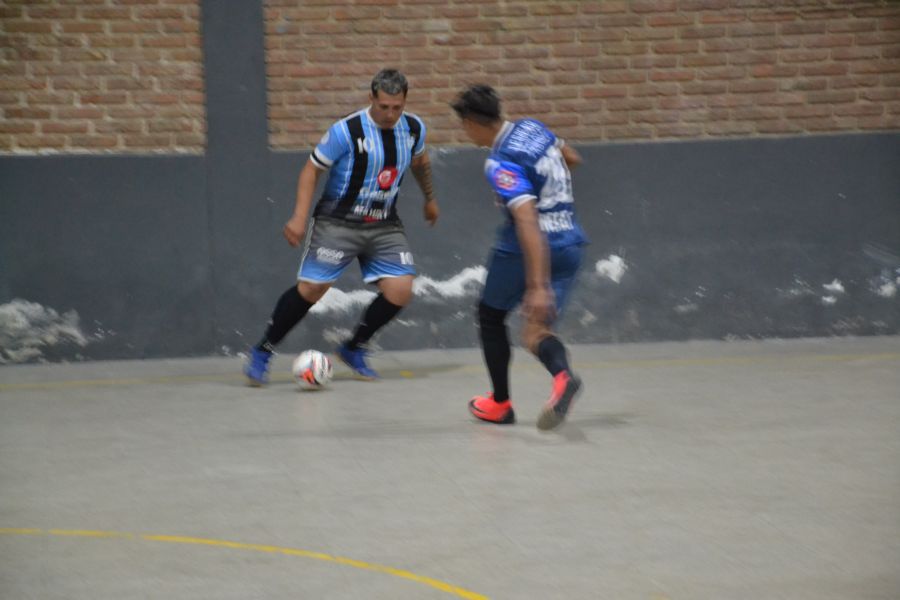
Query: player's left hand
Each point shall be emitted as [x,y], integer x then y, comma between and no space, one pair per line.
[432,212]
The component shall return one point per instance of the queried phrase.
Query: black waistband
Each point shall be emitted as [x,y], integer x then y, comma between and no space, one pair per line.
[360,224]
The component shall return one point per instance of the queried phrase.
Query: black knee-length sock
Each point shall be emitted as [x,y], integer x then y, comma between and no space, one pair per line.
[289,309]
[496,348]
[377,315]
[552,354]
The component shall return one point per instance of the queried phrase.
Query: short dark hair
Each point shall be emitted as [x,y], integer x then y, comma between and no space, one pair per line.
[391,81]
[479,103]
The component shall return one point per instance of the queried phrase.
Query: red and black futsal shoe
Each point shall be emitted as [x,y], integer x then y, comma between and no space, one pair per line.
[566,386]
[488,409]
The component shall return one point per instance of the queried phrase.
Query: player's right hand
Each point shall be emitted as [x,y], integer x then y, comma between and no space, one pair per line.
[539,305]
[294,230]
[431,212]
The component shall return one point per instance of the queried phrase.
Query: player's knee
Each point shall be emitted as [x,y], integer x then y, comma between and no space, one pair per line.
[398,291]
[399,299]
[491,320]
[312,292]
[404,294]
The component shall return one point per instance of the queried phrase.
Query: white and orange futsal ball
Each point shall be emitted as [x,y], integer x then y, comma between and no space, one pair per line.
[312,369]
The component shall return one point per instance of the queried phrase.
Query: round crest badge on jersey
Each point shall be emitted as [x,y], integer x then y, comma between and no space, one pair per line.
[387,177]
[505,179]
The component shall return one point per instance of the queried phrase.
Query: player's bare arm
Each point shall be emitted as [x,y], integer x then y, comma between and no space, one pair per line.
[421,169]
[538,302]
[571,156]
[295,228]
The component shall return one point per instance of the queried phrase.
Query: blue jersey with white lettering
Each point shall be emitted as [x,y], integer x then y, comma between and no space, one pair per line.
[366,165]
[526,163]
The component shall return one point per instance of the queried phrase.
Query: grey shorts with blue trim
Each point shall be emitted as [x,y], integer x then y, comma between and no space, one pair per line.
[382,251]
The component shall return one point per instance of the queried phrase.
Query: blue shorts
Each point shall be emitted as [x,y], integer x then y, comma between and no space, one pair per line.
[382,251]
[505,284]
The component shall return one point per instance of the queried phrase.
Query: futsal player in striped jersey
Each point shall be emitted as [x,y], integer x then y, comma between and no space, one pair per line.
[365,155]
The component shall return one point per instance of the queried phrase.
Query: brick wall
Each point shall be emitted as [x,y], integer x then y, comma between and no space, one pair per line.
[592,69]
[126,75]
[101,75]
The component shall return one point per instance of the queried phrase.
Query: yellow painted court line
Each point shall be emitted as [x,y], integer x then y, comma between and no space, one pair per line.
[177,539]
[712,362]
[20,531]
[407,374]
[88,533]
[76,383]
[743,360]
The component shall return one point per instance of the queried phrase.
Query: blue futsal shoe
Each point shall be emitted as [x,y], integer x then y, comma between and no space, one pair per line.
[257,368]
[356,360]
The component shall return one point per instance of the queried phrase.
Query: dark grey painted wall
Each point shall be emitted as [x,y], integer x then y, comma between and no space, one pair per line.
[122,241]
[721,239]
[742,235]
[237,156]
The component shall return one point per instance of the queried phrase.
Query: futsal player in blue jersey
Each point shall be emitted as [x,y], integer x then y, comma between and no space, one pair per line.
[366,155]
[537,253]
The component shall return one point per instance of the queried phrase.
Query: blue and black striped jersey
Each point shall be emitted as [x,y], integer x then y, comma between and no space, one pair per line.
[366,165]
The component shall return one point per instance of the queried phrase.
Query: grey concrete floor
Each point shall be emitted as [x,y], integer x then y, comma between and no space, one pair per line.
[701,470]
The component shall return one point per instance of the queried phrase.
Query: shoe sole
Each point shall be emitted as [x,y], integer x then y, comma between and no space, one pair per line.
[508,419]
[356,374]
[552,416]
[253,382]
[360,377]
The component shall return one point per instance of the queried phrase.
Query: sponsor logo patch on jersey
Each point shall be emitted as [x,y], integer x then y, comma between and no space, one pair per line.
[387,177]
[505,180]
